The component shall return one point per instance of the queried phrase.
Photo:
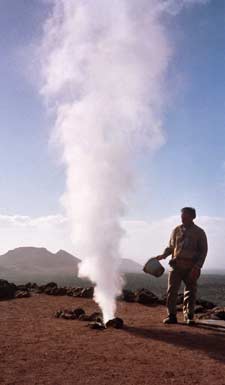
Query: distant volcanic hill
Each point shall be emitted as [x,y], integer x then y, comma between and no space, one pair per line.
[37,262]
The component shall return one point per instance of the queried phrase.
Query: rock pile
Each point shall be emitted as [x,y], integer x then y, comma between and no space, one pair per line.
[7,290]
[128,296]
[116,323]
[216,313]
[70,313]
[206,304]
[95,319]
[143,296]
[79,314]
[203,309]
[22,294]
[87,292]
[24,291]
[97,325]
[52,288]
[146,297]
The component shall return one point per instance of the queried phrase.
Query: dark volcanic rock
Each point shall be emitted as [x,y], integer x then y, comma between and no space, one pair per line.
[56,291]
[70,313]
[34,286]
[217,313]
[220,313]
[58,313]
[50,285]
[28,285]
[96,316]
[81,292]
[116,323]
[84,317]
[50,288]
[47,288]
[199,309]
[74,291]
[7,290]
[68,316]
[62,291]
[96,325]
[128,296]
[87,292]
[146,297]
[65,314]
[22,294]
[78,312]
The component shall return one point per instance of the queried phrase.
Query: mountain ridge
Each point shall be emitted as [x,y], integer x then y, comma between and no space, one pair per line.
[30,259]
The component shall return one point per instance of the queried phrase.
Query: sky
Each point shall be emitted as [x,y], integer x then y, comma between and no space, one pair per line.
[188,169]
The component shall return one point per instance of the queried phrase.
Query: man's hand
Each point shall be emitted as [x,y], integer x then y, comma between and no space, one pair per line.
[195,273]
[159,257]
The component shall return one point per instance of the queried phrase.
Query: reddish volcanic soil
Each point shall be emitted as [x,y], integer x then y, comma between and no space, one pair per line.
[38,349]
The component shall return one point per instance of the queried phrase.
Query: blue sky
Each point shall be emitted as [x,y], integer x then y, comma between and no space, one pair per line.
[188,169]
[31,180]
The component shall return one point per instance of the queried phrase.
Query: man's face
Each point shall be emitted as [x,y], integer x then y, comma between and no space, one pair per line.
[186,218]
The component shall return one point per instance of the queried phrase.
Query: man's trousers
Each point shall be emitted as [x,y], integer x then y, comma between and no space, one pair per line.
[176,276]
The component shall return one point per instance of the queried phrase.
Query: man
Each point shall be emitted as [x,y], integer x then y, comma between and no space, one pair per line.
[188,247]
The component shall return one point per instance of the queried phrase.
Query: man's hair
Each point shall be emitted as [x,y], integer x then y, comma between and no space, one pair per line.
[189,210]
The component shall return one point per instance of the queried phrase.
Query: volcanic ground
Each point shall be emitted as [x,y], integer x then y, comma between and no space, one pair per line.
[38,349]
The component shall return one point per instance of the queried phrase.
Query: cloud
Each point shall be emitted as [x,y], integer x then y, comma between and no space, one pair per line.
[175,6]
[26,221]
[143,239]
[48,231]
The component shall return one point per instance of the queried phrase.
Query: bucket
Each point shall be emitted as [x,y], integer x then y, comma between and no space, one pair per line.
[153,267]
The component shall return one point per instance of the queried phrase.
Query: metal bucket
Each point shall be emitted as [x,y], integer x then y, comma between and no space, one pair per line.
[153,267]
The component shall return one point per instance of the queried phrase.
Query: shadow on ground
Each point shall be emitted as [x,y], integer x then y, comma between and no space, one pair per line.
[212,344]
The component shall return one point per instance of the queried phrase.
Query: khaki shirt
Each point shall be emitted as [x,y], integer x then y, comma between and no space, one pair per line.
[188,246]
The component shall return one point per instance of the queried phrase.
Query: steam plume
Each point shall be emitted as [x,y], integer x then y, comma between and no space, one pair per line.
[104,66]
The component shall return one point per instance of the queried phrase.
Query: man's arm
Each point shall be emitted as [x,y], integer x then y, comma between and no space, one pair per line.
[203,249]
[168,250]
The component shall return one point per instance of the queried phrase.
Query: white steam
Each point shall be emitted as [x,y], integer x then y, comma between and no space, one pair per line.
[104,66]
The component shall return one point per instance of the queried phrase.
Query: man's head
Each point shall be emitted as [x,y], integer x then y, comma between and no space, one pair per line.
[188,214]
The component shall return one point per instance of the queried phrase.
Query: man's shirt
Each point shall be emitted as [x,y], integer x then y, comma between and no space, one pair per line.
[188,246]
